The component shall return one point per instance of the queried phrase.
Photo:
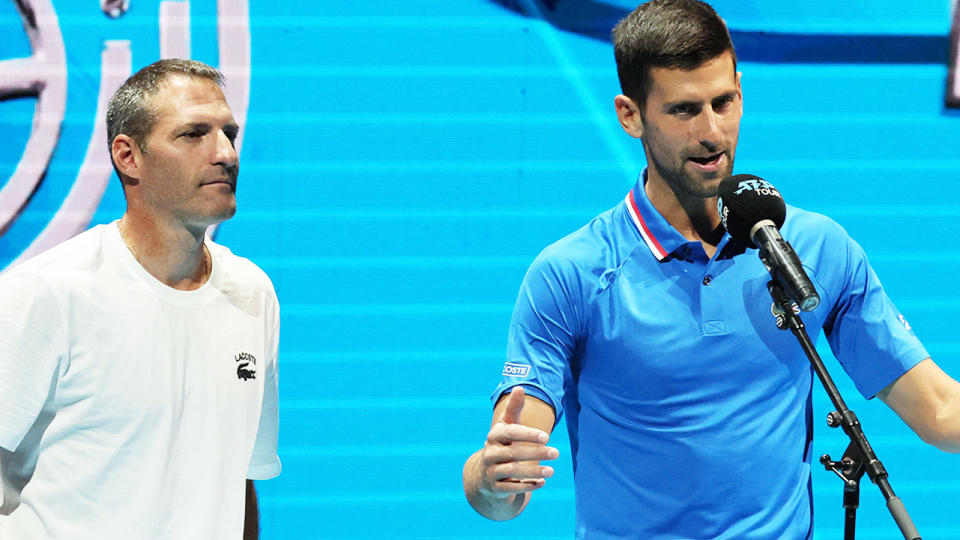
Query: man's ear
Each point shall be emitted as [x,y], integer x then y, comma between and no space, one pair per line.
[127,157]
[628,112]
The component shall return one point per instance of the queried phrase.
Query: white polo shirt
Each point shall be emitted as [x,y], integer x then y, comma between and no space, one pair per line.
[129,409]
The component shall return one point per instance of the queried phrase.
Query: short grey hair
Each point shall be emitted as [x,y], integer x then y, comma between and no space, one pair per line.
[131,112]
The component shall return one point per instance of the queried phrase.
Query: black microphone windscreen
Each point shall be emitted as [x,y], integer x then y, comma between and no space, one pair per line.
[745,200]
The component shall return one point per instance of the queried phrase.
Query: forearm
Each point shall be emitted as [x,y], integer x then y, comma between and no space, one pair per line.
[948,424]
[251,519]
[485,503]
[928,400]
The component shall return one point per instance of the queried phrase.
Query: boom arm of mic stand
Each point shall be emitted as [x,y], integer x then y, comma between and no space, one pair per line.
[846,418]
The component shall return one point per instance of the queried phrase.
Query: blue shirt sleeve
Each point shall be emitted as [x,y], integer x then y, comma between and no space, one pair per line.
[544,331]
[869,336]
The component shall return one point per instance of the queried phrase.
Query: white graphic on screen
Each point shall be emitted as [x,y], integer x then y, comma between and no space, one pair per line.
[44,75]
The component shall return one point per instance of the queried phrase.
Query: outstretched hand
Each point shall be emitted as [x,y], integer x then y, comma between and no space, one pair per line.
[511,456]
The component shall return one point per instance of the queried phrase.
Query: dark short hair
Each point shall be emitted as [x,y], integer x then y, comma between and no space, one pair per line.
[673,34]
[131,112]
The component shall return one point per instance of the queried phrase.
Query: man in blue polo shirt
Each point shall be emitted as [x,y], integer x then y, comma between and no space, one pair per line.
[653,331]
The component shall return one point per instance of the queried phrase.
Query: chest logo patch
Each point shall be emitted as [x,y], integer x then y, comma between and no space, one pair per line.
[515,370]
[246,366]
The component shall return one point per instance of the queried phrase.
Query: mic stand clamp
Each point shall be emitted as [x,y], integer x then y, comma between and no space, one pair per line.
[859,457]
[850,469]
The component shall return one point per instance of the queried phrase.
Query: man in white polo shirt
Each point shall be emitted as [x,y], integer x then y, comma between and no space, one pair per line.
[138,360]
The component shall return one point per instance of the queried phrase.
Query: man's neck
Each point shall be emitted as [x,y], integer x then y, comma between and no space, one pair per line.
[173,254]
[693,217]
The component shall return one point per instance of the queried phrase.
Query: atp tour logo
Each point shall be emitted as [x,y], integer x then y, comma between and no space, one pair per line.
[723,211]
[758,185]
[43,76]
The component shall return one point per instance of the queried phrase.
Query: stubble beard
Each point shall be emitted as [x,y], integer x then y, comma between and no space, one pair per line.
[688,186]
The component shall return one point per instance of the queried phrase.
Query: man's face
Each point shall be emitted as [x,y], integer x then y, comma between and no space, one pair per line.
[691,122]
[189,168]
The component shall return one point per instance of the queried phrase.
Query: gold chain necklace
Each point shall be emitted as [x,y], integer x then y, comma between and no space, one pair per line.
[207,257]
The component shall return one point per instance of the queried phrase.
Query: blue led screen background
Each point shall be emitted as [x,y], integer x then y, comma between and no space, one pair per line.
[403,162]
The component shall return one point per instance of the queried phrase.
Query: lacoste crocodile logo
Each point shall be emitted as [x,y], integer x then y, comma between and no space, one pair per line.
[246,366]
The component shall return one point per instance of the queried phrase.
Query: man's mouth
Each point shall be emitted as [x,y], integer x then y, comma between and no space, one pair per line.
[221,181]
[708,161]
[225,181]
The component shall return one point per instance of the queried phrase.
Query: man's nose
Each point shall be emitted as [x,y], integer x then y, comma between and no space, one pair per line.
[708,130]
[226,154]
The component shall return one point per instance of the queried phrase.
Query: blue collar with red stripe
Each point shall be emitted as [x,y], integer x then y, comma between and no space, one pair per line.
[661,238]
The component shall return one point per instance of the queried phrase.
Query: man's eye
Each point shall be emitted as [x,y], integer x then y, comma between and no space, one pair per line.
[683,109]
[195,133]
[722,103]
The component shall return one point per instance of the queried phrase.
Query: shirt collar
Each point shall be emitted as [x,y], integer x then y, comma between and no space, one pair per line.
[661,238]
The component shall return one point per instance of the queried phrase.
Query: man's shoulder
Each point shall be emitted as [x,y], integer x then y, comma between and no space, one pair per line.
[238,269]
[68,260]
[805,218]
[822,243]
[806,226]
[601,243]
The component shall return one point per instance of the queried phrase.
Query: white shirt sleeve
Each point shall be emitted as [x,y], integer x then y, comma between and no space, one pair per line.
[32,346]
[265,463]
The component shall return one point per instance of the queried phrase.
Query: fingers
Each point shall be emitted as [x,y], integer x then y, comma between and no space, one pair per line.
[505,479]
[515,467]
[519,470]
[529,481]
[502,433]
[510,460]
[510,487]
[514,406]
[496,454]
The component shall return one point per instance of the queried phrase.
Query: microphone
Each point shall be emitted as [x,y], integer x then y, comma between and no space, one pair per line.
[752,211]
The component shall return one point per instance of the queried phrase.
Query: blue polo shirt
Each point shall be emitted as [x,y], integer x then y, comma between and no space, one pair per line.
[689,412]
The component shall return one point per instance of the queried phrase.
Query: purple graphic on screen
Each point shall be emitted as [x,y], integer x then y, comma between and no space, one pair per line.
[953,81]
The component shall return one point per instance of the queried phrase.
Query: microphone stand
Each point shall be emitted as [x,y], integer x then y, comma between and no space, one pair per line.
[859,457]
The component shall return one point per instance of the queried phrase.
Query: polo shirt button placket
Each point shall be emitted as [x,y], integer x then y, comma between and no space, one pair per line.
[712,308]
